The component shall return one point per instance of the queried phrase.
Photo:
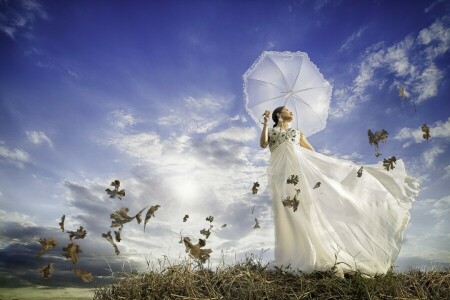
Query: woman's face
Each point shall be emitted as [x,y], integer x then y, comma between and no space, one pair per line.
[286,115]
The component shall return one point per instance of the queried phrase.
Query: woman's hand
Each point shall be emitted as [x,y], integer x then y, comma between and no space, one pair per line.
[266,115]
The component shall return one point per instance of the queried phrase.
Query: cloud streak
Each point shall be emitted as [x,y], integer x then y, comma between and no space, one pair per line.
[17,17]
[411,61]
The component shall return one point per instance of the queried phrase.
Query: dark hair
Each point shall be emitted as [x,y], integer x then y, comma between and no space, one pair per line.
[274,114]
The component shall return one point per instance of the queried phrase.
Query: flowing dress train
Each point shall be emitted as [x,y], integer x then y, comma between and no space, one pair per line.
[351,222]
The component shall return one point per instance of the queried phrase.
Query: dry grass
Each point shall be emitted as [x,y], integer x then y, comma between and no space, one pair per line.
[251,280]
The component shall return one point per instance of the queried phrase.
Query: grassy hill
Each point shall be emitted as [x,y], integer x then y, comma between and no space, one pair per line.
[252,280]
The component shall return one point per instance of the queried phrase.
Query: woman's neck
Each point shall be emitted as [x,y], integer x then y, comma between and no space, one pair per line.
[283,125]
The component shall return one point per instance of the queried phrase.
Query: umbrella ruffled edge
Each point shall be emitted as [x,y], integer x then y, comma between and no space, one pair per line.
[254,65]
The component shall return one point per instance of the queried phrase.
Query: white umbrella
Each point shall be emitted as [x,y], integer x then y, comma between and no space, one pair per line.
[288,79]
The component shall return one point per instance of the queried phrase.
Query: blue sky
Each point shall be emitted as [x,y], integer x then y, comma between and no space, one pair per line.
[151,94]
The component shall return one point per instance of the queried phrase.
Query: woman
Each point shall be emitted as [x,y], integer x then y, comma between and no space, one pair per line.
[343,222]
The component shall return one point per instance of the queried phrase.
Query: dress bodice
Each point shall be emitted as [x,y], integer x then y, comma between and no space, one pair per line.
[278,135]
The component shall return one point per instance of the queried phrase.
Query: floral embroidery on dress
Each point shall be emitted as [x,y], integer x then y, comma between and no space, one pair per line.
[277,135]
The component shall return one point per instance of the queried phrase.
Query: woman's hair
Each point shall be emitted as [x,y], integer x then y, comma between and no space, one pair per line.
[274,114]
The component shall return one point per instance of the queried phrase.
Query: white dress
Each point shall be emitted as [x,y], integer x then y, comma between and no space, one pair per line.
[357,222]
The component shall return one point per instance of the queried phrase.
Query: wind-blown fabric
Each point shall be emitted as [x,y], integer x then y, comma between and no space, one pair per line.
[356,222]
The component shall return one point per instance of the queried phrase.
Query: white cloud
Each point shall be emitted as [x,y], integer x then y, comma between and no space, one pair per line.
[236,134]
[411,61]
[355,36]
[447,171]
[354,156]
[16,156]
[429,156]
[440,208]
[17,17]
[432,5]
[38,137]
[15,217]
[122,119]
[427,234]
[238,117]
[438,130]
[197,115]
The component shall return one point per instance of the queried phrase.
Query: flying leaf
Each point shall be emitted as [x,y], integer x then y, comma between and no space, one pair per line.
[294,202]
[255,187]
[359,173]
[375,138]
[293,179]
[46,245]
[224,225]
[109,238]
[72,251]
[46,270]
[138,216]
[195,251]
[117,234]
[210,219]
[389,163]
[426,131]
[317,185]
[185,218]
[115,192]
[256,224]
[61,224]
[150,213]
[403,93]
[206,232]
[120,217]
[85,276]
[79,234]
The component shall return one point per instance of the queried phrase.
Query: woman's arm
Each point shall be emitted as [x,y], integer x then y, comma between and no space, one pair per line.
[304,142]
[264,140]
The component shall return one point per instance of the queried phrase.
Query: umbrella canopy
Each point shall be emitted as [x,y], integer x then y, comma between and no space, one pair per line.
[288,79]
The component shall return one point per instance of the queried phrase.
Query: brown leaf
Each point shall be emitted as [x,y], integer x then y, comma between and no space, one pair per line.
[256,224]
[294,202]
[185,218]
[72,251]
[61,224]
[47,270]
[317,185]
[292,180]
[359,173]
[150,213]
[109,238]
[426,131]
[117,234]
[375,138]
[389,163]
[138,216]
[403,93]
[206,232]
[46,245]
[79,234]
[195,251]
[120,217]
[255,187]
[115,192]
[224,225]
[85,276]
[210,219]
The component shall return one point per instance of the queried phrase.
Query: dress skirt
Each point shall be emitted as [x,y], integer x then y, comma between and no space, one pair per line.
[342,220]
